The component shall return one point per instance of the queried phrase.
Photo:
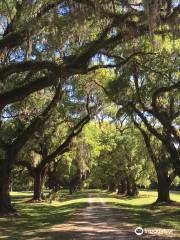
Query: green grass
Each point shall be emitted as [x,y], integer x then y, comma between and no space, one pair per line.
[139,210]
[40,215]
[142,212]
[145,197]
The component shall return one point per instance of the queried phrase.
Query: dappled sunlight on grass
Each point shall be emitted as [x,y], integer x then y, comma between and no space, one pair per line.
[141,211]
[144,198]
[35,216]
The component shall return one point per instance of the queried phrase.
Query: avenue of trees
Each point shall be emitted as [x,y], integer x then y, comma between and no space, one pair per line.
[89,96]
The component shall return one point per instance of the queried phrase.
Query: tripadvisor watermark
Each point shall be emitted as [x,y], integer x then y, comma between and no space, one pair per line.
[140,231]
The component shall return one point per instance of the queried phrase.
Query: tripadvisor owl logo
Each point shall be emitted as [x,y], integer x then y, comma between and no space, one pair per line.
[139,231]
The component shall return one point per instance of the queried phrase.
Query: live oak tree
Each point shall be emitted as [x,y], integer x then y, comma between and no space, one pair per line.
[38,171]
[162,165]
[12,146]
[84,148]
[32,35]
[9,43]
[164,108]
[56,136]
[149,96]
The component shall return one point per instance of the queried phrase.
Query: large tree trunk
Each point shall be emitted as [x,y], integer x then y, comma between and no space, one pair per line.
[39,176]
[163,187]
[128,187]
[119,189]
[175,159]
[112,187]
[131,187]
[164,182]
[70,190]
[122,187]
[134,188]
[5,199]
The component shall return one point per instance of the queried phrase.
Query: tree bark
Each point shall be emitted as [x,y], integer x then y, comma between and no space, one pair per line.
[70,190]
[134,189]
[39,176]
[164,181]
[128,187]
[112,187]
[5,199]
[122,187]
[119,189]
[131,187]
[163,187]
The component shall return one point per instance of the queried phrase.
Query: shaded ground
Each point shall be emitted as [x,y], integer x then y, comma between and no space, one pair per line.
[91,215]
[99,221]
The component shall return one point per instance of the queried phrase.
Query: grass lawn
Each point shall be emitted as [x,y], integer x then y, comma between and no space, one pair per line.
[141,212]
[40,215]
[43,215]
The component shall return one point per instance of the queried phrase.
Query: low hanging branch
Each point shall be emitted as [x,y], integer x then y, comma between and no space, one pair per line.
[151,153]
[27,165]
[118,64]
[147,124]
[63,148]
[71,66]
[146,140]
[20,93]
[166,118]
[37,122]
[163,137]
[162,90]
[28,66]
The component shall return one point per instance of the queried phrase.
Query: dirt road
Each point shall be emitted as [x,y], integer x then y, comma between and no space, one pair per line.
[98,221]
